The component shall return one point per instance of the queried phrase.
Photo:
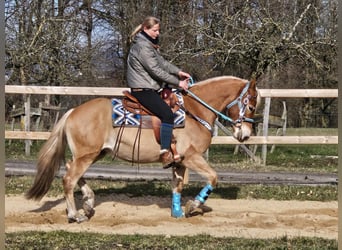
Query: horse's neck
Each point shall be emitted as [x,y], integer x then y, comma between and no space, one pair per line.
[198,109]
[217,97]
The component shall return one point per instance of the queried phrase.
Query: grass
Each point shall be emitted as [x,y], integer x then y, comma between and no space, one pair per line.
[285,158]
[66,240]
[288,158]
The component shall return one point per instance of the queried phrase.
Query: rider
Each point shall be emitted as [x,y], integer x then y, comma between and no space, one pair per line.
[147,70]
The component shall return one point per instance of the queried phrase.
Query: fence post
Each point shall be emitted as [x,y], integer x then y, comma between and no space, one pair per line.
[265,128]
[27,120]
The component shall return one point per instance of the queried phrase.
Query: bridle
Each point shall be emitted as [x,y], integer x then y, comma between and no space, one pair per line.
[242,104]
[241,101]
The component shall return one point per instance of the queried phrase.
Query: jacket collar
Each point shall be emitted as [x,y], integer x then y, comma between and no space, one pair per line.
[147,38]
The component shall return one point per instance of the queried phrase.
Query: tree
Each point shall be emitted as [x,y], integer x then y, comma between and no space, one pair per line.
[86,42]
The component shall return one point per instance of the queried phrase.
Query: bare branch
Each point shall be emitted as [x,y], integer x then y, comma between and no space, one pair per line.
[289,37]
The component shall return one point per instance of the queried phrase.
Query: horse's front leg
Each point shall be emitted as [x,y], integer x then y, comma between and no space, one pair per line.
[196,162]
[178,172]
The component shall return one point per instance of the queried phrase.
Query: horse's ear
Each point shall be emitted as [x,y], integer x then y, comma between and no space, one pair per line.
[253,85]
[253,82]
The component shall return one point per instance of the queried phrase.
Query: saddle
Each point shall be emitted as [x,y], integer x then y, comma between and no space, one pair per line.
[131,104]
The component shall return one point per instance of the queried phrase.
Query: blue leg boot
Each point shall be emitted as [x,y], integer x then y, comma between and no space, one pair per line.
[205,192]
[194,207]
[176,210]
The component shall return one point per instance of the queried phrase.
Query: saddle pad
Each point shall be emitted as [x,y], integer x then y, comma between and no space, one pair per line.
[121,116]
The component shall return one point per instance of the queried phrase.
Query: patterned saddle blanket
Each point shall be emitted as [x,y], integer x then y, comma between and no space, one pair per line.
[121,116]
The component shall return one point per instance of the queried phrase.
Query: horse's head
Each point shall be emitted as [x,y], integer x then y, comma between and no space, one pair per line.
[242,110]
[235,95]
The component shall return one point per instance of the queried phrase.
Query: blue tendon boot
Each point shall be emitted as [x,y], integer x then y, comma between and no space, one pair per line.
[176,210]
[205,192]
[196,207]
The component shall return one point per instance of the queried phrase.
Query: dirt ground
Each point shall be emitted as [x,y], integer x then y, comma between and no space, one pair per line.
[121,214]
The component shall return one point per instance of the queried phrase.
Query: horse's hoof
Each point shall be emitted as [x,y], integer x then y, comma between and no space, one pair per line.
[192,209]
[78,219]
[90,213]
[177,213]
[169,165]
[205,208]
[88,210]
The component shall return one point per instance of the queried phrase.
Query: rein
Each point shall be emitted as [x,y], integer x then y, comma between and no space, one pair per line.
[238,101]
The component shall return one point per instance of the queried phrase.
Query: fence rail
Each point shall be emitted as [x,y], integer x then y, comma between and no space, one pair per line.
[102,91]
[29,135]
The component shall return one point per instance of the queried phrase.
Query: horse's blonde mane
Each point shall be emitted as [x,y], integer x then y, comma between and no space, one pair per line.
[219,78]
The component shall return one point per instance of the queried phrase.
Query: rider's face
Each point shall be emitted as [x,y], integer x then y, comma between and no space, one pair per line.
[153,32]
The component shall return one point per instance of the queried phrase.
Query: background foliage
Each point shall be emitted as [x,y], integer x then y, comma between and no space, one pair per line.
[284,43]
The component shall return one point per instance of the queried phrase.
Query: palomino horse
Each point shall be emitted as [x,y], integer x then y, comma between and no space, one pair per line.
[89,133]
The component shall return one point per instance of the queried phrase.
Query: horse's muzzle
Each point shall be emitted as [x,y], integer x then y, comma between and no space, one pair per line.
[242,133]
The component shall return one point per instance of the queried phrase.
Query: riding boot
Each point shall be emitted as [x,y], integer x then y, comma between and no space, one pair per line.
[166,158]
[165,143]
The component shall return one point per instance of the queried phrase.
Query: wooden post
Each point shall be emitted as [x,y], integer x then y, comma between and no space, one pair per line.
[27,123]
[265,128]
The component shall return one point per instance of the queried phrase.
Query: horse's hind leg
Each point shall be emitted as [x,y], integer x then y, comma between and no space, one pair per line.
[88,198]
[73,175]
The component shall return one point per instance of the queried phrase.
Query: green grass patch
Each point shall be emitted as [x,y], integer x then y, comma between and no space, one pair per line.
[287,158]
[292,158]
[67,240]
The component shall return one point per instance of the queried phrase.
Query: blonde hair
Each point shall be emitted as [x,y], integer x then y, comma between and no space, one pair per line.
[148,23]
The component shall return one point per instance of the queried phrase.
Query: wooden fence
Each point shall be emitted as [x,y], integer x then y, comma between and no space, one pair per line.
[265,139]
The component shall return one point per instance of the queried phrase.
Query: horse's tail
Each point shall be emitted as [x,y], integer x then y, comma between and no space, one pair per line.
[50,158]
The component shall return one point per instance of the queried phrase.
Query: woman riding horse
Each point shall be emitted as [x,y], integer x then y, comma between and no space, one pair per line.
[146,71]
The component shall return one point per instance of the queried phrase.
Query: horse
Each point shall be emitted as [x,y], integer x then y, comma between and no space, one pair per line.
[89,133]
